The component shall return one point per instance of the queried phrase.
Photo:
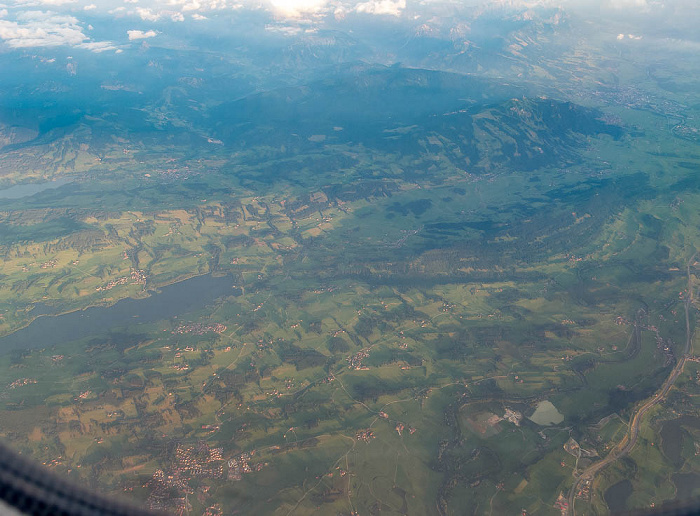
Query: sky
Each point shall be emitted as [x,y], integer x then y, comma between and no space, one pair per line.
[54,23]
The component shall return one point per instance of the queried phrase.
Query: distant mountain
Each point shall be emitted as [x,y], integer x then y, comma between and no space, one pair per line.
[362,100]
[517,135]
[477,124]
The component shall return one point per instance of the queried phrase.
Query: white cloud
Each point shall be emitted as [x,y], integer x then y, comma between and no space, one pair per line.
[48,29]
[146,14]
[191,6]
[97,46]
[39,3]
[620,37]
[295,8]
[139,34]
[621,4]
[391,7]
[296,11]
[284,30]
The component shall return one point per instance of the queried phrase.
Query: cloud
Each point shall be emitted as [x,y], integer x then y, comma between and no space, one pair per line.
[621,4]
[191,6]
[139,34]
[284,30]
[147,14]
[180,10]
[175,10]
[97,46]
[46,3]
[48,29]
[295,8]
[390,7]
[296,11]
[298,8]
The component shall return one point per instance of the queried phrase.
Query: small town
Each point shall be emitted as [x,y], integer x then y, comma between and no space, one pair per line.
[199,329]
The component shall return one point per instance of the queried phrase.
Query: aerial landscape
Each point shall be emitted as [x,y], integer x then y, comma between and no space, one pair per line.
[338,257]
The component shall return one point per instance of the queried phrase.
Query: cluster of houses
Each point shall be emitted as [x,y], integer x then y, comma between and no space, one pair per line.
[137,277]
[213,510]
[162,484]
[49,265]
[200,460]
[364,435]
[195,461]
[21,382]
[45,265]
[400,427]
[83,395]
[562,504]
[584,490]
[240,465]
[199,328]
[355,361]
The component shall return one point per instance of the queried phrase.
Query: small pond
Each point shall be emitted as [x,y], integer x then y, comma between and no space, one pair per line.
[616,496]
[546,414]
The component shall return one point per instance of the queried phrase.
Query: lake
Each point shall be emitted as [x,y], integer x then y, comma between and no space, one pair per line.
[687,485]
[26,190]
[616,496]
[673,435]
[179,298]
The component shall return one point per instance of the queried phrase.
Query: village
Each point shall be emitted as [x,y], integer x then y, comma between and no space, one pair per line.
[199,462]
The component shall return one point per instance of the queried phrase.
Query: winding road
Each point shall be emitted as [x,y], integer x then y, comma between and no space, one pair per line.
[627,443]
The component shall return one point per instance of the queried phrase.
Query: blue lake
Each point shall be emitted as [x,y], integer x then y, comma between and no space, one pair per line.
[26,190]
[170,301]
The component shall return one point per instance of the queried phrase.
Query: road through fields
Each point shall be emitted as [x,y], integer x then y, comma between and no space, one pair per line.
[630,439]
